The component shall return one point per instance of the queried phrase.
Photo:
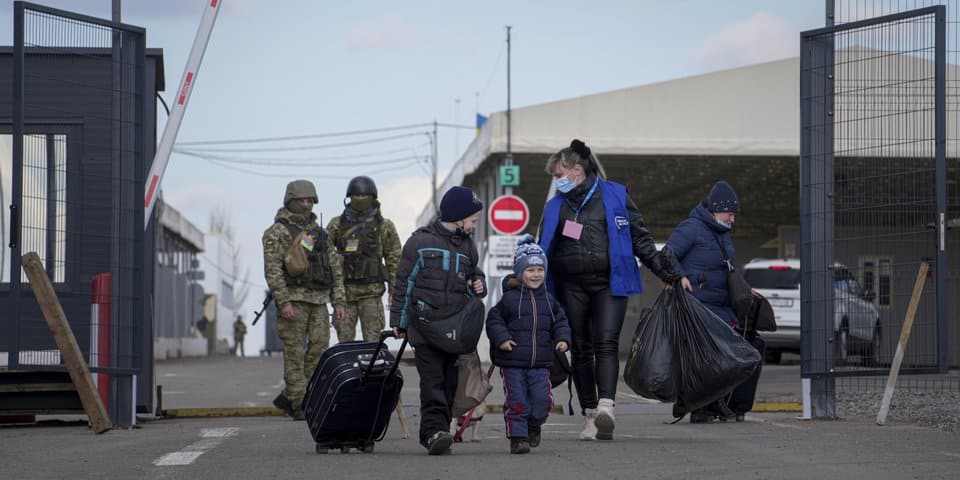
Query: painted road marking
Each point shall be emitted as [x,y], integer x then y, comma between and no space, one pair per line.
[209,438]
[264,394]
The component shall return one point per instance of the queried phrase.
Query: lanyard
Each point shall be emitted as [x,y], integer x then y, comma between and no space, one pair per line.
[576,211]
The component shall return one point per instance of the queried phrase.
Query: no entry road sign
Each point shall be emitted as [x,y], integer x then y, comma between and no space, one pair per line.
[508,215]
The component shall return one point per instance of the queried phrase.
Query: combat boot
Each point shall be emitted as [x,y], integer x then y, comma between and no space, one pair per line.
[605,419]
[589,430]
[284,404]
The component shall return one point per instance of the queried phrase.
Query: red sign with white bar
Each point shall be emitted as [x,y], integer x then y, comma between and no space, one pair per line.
[508,215]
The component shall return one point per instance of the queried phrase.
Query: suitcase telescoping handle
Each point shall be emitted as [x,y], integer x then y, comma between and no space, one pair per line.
[384,335]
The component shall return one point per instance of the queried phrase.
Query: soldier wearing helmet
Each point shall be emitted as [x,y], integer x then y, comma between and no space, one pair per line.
[370,250]
[304,273]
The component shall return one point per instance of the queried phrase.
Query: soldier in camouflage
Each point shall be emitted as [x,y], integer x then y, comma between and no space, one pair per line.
[303,323]
[370,249]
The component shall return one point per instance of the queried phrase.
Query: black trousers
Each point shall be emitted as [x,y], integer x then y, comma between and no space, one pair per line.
[741,399]
[438,384]
[596,318]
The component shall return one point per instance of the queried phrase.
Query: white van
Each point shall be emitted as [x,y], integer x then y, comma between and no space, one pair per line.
[856,322]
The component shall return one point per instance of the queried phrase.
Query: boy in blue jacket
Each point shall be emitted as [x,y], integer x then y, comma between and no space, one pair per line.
[525,327]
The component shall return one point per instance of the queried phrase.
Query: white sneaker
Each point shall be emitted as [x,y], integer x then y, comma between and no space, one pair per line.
[605,419]
[589,431]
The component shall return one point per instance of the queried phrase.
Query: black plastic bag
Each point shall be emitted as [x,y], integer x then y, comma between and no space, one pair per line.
[652,369]
[714,358]
[682,352]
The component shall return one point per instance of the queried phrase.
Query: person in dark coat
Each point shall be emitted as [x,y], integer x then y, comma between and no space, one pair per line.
[593,235]
[696,243]
[526,326]
[439,267]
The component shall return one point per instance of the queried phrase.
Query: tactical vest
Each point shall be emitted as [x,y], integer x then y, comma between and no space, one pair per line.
[319,276]
[359,244]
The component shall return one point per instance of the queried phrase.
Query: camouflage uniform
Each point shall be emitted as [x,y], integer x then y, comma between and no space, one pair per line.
[365,294]
[311,321]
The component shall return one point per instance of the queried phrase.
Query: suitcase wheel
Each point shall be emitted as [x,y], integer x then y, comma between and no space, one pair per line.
[367,448]
[344,449]
[322,449]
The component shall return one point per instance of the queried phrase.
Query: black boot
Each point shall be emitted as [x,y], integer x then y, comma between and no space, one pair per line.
[519,445]
[284,404]
[723,412]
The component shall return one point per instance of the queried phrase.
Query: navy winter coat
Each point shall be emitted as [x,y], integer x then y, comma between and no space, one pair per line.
[694,243]
[531,318]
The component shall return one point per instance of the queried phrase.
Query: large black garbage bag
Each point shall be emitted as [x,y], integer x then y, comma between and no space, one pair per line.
[652,370]
[682,352]
[714,358]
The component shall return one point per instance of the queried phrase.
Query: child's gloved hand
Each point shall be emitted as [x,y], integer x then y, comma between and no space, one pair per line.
[508,346]
[561,346]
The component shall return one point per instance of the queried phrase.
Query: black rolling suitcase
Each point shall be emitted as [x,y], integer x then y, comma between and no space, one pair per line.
[353,392]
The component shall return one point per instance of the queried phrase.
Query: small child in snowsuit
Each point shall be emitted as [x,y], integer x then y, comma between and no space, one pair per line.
[525,327]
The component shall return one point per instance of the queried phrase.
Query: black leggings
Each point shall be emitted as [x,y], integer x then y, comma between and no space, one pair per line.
[596,318]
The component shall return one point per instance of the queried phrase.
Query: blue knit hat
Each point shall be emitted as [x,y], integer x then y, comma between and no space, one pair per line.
[459,203]
[723,199]
[528,254]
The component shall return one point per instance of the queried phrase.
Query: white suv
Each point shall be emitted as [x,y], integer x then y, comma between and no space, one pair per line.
[856,322]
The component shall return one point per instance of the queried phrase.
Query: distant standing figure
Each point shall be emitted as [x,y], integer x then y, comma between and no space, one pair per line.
[239,332]
[370,249]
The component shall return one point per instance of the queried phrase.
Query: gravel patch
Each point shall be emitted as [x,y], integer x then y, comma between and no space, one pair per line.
[935,409]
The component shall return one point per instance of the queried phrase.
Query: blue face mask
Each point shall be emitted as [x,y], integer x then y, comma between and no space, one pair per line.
[564,184]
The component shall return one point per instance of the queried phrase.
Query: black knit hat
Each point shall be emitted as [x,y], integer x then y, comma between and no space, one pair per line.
[459,203]
[723,199]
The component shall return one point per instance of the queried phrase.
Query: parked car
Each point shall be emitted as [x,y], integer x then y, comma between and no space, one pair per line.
[856,320]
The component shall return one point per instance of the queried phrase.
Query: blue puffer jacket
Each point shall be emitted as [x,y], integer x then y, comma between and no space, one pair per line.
[531,318]
[694,243]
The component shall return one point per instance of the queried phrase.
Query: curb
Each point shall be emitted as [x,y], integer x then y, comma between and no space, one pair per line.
[777,407]
[769,407]
[222,412]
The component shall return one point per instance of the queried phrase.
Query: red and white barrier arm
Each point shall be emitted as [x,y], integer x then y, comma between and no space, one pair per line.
[176,113]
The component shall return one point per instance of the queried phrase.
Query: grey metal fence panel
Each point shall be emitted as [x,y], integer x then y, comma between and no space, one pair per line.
[845,11]
[873,182]
[79,132]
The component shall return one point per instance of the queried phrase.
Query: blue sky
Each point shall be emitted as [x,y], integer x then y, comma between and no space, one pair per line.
[306,67]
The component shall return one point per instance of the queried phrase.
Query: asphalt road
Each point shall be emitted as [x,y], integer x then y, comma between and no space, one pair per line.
[767,445]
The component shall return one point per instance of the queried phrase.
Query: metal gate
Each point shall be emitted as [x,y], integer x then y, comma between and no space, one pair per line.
[77,143]
[873,194]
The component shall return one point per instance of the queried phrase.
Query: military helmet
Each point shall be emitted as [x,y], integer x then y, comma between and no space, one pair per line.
[362,186]
[300,189]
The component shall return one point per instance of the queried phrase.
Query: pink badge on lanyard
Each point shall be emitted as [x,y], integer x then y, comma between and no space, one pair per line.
[572,229]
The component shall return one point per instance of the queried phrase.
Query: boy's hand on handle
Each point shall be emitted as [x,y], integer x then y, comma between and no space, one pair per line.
[508,346]
[286,311]
[561,346]
[398,333]
[477,286]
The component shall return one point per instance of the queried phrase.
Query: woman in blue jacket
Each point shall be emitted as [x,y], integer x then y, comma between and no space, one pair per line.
[592,233]
[696,243]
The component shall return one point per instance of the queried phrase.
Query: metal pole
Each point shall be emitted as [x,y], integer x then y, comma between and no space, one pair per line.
[190,72]
[830,16]
[940,271]
[433,167]
[456,133]
[116,11]
[508,160]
